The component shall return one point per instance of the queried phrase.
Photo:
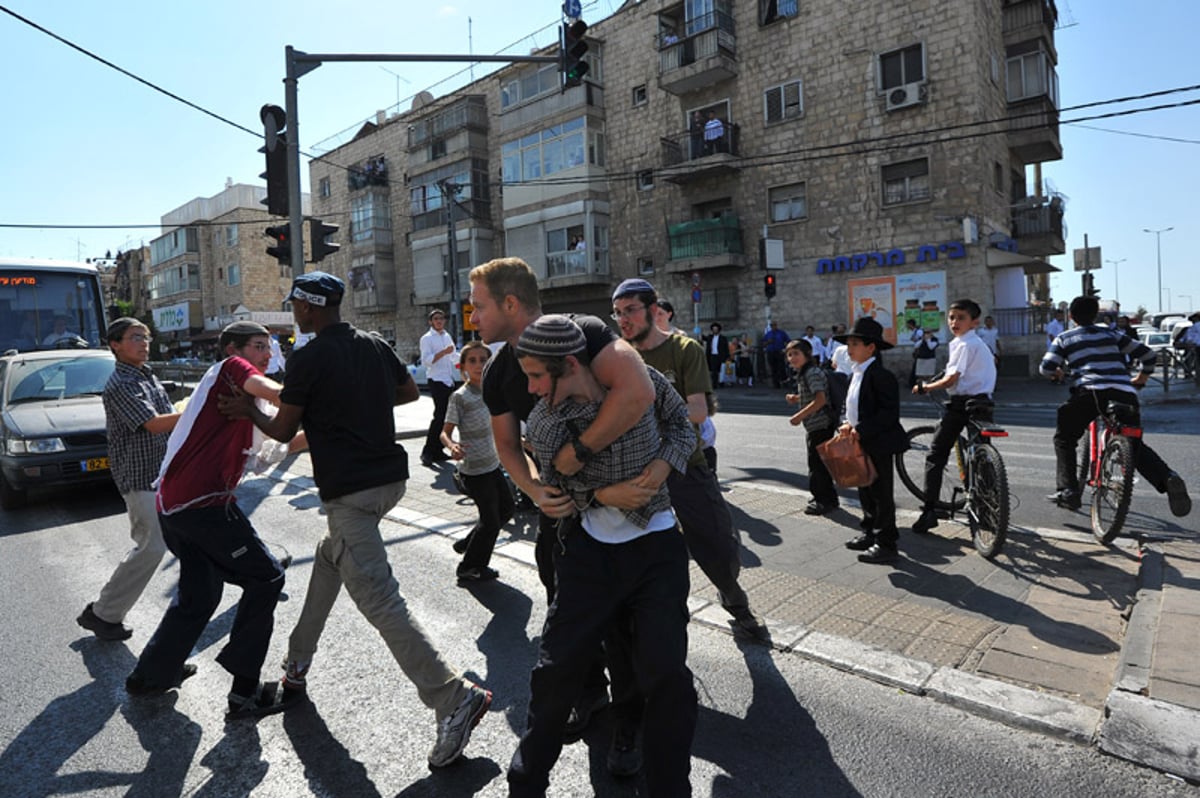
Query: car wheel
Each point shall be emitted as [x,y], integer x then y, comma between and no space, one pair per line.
[10,498]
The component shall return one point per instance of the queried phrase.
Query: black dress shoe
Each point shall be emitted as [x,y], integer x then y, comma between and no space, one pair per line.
[879,553]
[926,522]
[1066,498]
[817,508]
[861,543]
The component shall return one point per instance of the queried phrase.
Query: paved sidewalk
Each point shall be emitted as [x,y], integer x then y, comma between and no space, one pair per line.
[1060,635]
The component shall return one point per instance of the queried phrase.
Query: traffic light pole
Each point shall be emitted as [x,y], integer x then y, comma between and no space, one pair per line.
[298,65]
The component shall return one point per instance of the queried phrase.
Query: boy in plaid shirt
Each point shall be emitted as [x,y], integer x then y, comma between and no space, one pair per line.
[816,414]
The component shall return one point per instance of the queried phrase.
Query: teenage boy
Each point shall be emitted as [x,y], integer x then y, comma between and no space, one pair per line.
[139,419]
[970,375]
[212,538]
[613,564]
[1093,354]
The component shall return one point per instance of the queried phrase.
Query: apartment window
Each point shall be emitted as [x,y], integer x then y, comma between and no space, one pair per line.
[437,149]
[367,214]
[901,67]
[231,235]
[235,274]
[551,150]
[639,95]
[782,102]
[773,10]
[1032,75]
[718,303]
[323,188]
[788,202]
[530,85]
[997,176]
[645,266]
[645,179]
[907,181]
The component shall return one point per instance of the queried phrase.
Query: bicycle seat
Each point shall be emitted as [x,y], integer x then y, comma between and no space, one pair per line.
[980,409]
[1123,414]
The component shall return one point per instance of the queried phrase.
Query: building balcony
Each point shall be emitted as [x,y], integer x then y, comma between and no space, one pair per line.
[703,58]
[469,113]
[370,172]
[1025,20]
[1033,130]
[577,267]
[690,155]
[706,244]
[470,213]
[1037,226]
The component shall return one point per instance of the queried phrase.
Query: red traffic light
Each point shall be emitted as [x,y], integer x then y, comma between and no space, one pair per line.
[769,285]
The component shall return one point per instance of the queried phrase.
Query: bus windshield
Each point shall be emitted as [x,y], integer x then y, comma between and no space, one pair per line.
[49,304]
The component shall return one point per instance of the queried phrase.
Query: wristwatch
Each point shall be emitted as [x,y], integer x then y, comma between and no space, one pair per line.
[582,452]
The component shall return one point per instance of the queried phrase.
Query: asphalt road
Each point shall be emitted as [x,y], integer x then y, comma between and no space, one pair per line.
[770,724]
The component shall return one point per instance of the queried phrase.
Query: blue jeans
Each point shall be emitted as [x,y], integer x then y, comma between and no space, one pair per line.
[215,545]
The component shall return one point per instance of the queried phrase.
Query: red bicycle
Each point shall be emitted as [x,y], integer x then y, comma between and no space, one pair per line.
[1107,463]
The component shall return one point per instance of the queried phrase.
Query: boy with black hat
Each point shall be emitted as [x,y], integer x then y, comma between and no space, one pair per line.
[873,414]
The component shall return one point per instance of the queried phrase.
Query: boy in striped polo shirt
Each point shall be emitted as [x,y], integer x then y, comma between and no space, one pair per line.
[1094,356]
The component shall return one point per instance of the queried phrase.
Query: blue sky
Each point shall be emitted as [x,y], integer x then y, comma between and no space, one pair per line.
[84,144]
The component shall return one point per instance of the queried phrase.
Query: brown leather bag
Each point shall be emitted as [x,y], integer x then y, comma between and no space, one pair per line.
[846,461]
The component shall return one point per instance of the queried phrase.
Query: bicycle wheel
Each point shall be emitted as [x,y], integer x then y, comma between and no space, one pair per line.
[987,512]
[1114,489]
[910,466]
[1083,458]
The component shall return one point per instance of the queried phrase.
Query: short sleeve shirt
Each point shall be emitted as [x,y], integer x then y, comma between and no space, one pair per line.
[974,364]
[505,389]
[132,397]
[469,414]
[346,381]
[681,361]
[813,381]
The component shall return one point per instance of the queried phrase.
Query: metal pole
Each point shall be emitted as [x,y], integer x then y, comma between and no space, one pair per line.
[295,211]
[1116,283]
[449,192]
[1158,248]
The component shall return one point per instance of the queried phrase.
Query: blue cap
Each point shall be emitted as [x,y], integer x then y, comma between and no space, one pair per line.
[634,285]
[318,288]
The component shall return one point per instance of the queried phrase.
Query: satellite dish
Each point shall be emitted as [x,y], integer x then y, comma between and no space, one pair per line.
[422,99]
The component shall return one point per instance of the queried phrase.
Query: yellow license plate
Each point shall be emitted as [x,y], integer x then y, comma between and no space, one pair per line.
[96,464]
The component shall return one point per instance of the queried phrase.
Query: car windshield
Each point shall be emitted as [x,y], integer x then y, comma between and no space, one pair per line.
[41,380]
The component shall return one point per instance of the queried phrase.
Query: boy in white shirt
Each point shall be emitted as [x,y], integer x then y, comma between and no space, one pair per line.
[970,374]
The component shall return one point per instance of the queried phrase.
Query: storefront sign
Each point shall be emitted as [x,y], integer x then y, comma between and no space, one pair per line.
[172,317]
[893,301]
[893,257]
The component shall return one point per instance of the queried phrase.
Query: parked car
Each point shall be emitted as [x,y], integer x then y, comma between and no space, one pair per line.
[52,428]
[1156,340]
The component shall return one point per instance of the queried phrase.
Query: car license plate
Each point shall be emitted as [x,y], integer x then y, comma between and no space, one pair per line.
[95,464]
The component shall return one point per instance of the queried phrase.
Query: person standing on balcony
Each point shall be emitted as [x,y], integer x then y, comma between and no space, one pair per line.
[714,134]
[437,355]
[696,136]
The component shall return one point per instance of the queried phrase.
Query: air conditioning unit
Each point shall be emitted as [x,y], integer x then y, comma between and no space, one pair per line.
[906,95]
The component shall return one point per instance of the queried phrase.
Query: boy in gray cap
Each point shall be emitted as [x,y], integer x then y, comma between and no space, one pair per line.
[361,473]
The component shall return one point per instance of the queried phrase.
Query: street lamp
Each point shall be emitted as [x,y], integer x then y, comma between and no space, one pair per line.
[1158,247]
[1188,297]
[1116,285]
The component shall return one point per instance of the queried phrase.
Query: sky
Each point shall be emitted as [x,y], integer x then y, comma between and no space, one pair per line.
[86,145]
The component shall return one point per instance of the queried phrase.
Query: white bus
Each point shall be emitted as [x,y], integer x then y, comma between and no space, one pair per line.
[47,304]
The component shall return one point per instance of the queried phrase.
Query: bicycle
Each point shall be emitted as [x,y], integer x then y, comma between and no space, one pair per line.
[976,471]
[1107,462]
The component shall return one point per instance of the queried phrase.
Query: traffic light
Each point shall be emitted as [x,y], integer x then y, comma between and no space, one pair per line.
[571,51]
[318,232]
[769,285]
[282,251]
[275,146]
[1089,285]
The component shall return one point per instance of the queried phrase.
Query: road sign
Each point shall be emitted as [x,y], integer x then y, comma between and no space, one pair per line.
[573,9]
[695,279]
[696,295]
[1087,258]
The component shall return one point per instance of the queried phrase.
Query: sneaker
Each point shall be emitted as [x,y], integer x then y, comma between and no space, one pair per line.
[1066,498]
[1177,496]
[269,699]
[454,730]
[879,554]
[295,675]
[105,630]
[625,753]
[136,684]
[581,714]
[925,523]
[484,574]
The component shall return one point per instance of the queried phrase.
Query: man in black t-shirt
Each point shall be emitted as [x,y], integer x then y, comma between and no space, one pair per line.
[343,385]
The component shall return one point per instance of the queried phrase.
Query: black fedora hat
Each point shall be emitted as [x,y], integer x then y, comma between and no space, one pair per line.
[867,329]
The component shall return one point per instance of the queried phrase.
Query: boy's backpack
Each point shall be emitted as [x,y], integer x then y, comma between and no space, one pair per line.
[839,386]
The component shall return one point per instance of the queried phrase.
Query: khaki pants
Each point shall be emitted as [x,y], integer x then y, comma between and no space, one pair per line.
[353,553]
[126,584]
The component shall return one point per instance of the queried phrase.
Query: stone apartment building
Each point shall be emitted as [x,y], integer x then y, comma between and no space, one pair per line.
[210,268]
[880,159]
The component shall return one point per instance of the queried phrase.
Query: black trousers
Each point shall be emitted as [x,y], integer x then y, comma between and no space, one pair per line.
[820,483]
[715,364]
[708,531]
[494,501]
[953,422]
[878,502]
[441,399]
[1074,415]
[775,362]
[215,545]
[644,584]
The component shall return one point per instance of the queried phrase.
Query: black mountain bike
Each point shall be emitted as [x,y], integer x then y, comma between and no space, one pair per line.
[975,476]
